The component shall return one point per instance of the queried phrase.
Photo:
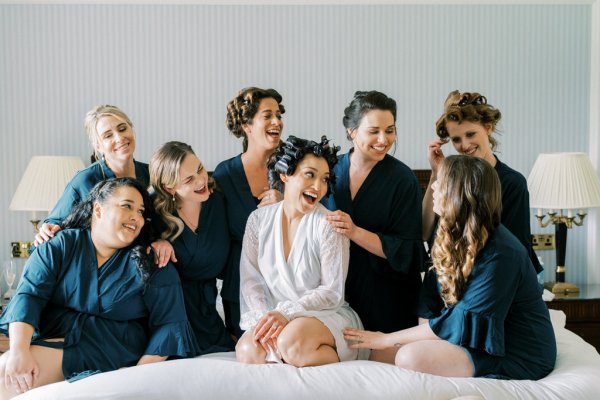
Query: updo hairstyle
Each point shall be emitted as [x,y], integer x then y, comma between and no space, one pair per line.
[362,103]
[289,153]
[472,107]
[244,106]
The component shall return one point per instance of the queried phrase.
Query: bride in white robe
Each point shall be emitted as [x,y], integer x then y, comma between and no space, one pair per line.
[293,269]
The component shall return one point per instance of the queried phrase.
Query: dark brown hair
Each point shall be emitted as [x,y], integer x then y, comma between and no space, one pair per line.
[244,106]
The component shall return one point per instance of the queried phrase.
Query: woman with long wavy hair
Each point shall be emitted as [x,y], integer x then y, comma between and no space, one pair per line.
[469,122]
[486,316]
[195,222]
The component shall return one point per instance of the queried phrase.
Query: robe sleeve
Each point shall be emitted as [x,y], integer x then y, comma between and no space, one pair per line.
[170,332]
[334,253]
[254,293]
[430,302]
[63,207]
[477,320]
[402,241]
[515,214]
[36,286]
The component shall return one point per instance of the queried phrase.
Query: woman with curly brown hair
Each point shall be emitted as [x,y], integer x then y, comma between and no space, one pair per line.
[469,122]
[486,317]
[254,115]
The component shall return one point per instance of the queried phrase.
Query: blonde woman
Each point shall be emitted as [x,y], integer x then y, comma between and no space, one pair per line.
[195,222]
[112,137]
[486,316]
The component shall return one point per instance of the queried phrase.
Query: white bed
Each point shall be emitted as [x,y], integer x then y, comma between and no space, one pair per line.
[219,376]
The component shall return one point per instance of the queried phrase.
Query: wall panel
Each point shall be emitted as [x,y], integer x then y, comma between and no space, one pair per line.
[173,68]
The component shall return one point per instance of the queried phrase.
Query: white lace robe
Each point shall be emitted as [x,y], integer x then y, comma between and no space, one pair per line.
[309,284]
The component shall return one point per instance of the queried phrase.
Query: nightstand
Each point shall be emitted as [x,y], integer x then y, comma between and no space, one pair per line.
[583,313]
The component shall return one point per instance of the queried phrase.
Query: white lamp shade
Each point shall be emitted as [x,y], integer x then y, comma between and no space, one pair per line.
[563,181]
[43,182]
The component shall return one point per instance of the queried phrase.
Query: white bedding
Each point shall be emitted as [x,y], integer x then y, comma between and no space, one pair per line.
[219,376]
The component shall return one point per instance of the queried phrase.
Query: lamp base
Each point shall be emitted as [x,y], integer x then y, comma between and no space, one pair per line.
[20,249]
[562,289]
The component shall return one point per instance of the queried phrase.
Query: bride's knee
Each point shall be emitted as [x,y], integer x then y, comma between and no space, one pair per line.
[246,352]
[294,348]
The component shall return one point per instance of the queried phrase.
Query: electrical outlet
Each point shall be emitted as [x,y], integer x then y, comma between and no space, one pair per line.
[542,241]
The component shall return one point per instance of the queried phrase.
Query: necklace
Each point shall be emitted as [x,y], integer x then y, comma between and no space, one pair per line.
[189,221]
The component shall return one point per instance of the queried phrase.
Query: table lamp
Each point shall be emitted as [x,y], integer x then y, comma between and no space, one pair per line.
[565,185]
[40,188]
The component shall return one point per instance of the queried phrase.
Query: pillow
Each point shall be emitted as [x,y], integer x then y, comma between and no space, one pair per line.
[558,318]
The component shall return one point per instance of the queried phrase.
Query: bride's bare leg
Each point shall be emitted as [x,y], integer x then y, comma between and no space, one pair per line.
[246,352]
[306,341]
[49,361]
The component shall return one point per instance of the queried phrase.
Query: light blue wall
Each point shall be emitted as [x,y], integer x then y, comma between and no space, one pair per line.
[173,69]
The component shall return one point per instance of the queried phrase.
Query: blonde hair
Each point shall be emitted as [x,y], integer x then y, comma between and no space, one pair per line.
[93,116]
[471,204]
[164,173]
[472,107]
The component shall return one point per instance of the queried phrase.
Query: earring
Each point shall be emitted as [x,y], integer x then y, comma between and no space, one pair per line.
[173,198]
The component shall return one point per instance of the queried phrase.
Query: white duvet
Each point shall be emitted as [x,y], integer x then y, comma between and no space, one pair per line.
[219,376]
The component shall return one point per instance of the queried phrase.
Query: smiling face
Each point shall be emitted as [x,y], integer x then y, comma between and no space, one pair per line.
[193,181]
[472,139]
[116,139]
[307,186]
[120,218]
[265,130]
[375,135]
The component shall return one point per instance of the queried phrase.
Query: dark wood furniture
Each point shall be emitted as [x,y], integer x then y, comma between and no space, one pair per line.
[423,177]
[583,313]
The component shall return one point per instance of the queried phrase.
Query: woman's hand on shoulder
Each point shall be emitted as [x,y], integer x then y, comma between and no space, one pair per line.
[435,155]
[268,329]
[45,233]
[21,370]
[342,223]
[269,196]
[163,252]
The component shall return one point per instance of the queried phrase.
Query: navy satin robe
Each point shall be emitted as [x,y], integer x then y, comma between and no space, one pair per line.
[383,291]
[107,316]
[240,202]
[201,257]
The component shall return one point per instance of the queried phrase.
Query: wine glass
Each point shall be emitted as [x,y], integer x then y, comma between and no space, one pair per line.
[10,274]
